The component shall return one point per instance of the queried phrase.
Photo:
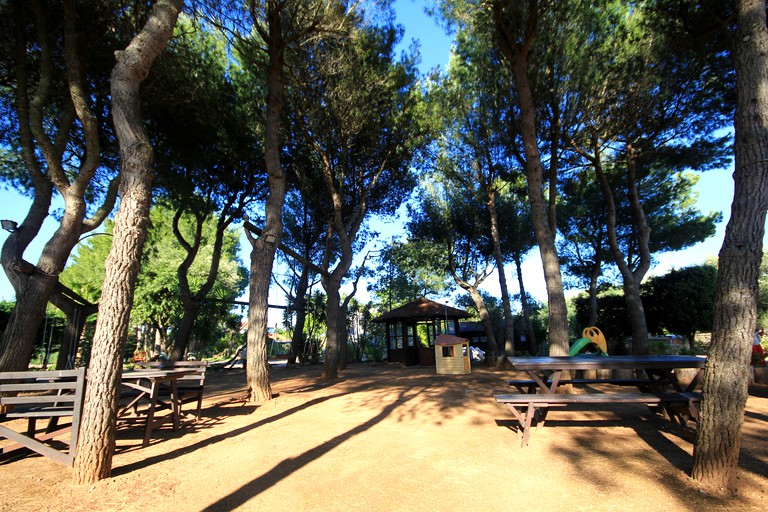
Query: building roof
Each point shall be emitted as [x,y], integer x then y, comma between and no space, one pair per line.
[449,339]
[422,309]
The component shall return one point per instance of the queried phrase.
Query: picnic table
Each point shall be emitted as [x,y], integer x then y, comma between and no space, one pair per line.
[145,385]
[659,386]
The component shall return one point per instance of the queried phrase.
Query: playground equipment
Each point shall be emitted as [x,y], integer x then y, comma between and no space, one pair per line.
[591,342]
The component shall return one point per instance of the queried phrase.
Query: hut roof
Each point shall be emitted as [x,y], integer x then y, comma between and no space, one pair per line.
[422,309]
[450,339]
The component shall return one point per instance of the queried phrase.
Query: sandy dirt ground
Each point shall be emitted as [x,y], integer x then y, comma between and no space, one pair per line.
[387,438]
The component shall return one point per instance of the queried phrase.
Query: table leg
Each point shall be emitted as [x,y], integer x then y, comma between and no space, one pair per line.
[175,405]
[695,381]
[151,412]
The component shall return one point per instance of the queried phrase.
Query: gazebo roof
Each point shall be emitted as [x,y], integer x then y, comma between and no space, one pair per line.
[422,309]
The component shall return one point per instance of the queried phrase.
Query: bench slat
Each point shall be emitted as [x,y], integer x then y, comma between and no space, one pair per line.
[40,413]
[592,398]
[38,386]
[50,374]
[38,399]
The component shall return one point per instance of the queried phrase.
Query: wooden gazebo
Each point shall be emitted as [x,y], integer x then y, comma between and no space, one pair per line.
[412,329]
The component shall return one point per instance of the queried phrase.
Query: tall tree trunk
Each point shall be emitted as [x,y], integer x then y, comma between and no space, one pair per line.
[300,307]
[509,321]
[593,280]
[97,433]
[31,294]
[530,334]
[485,319]
[592,320]
[192,300]
[515,44]
[558,312]
[263,252]
[343,336]
[718,440]
[631,278]
[184,330]
[334,324]
[482,310]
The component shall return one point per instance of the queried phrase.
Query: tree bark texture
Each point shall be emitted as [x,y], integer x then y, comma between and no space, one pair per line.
[514,37]
[263,253]
[257,366]
[485,318]
[334,312]
[716,453]
[97,433]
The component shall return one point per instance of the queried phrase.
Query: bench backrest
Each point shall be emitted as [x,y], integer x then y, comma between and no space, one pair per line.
[39,395]
[196,378]
[38,390]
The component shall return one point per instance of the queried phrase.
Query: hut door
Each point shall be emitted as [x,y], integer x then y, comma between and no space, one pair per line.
[411,354]
[402,344]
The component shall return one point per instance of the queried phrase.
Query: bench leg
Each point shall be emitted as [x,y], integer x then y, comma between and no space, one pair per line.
[528,419]
[199,405]
[525,418]
[682,414]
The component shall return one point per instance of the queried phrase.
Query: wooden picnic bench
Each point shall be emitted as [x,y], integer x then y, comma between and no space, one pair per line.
[35,395]
[190,386]
[528,407]
[661,387]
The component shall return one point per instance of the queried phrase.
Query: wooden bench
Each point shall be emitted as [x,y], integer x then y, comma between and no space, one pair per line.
[38,395]
[531,386]
[526,406]
[190,387]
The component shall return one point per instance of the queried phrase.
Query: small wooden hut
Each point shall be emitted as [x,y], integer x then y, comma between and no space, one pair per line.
[452,355]
[412,329]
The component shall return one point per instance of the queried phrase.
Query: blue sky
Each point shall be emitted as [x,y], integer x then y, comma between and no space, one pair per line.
[715,187]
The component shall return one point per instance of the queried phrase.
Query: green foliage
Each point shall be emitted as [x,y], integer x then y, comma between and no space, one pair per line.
[206,138]
[156,300]
[681,301]
[357,123]
[583,248]
[450,224]
[612,314]
[365,337]
[315,327]
[407,271]
[494,306]
[85,272]
[6,307]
